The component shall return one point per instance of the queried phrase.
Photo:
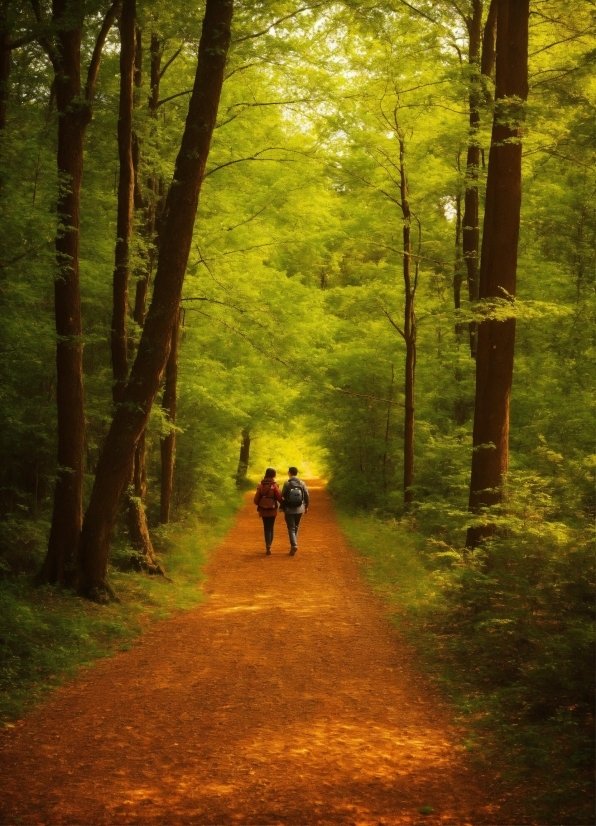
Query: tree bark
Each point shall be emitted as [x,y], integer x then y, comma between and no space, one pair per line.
[126,181]
[168,444]
[387,429]
[409,332]
[130,418]
[458,265]
[481,58]
[470,229]
[138,529]
[244,459]
[75,112]
[487,62]
[496,339]
[129,74]
[153,187]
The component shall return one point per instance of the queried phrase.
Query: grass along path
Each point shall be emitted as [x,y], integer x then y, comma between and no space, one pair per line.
[48,634]
[286,697]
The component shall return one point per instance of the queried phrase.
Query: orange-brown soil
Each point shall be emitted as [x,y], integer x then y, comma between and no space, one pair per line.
[286,698]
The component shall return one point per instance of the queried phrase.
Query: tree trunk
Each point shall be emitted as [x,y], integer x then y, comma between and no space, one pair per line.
[387,429]
[458,266]
[74,115]
[130,418]
[75,112]
[140,538]
[470,230]
[487,63]
[168,444]
[481,66]
[126,181]
[154,189]
[409,332]
[494,364]
[129,73]
[244,459]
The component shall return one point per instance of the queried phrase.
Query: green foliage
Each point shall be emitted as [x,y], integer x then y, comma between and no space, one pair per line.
[293,296]
[508,631]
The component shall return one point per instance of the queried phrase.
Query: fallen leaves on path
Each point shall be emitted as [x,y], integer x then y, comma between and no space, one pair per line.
[287,698]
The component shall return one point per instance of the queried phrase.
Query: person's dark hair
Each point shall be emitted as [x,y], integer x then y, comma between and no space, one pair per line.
[293,471]
[270,473]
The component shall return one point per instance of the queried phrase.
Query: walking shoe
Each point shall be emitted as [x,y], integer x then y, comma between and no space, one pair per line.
[293,551]
[268,552]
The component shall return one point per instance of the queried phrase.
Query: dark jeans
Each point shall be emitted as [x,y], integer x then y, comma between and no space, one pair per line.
[268,525]
[293,523]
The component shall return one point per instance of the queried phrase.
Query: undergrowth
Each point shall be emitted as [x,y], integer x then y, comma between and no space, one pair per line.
[508,633]
[47,633]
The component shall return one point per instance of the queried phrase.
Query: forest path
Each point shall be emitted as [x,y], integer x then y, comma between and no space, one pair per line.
[286,698]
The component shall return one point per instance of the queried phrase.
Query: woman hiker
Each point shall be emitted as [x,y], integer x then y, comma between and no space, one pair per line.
[267,499]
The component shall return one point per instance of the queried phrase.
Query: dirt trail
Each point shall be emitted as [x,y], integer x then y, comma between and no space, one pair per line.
[287,698]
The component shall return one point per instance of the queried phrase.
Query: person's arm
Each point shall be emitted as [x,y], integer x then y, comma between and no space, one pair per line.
[306,497]
[257,498]
[278,495]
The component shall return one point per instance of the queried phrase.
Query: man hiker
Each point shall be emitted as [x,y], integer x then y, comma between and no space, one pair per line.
[267,498]
[295,500]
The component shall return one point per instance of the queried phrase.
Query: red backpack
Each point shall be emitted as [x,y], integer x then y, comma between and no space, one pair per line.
[267,500]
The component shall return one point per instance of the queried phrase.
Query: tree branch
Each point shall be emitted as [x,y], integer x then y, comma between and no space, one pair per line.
[278,21]
[23,41]
[171,97]
[420,12]
[93,71]
[254,157]
[45,42]
[393,324]
[274,357]
[169,63]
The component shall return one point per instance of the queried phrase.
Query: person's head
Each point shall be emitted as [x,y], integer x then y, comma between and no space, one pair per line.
[293,471]
[270,473]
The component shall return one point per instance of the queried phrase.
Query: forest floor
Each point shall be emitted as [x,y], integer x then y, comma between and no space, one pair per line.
[286,698]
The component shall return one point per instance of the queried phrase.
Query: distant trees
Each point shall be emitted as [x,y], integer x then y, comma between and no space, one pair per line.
[306,188]
[244,459]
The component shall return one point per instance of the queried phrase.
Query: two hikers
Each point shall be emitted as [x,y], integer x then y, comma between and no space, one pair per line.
[293,500]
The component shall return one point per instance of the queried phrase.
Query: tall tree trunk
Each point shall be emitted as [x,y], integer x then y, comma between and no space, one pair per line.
[152,207]
[409,331]
[130,418]
[244,459]
[487,61]
[68,493]
[496,339]
[481,57]
[470,230]
[126,182]
[75,112]
[168,443]
[458,265]
[129,72]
